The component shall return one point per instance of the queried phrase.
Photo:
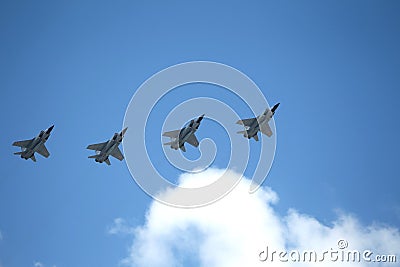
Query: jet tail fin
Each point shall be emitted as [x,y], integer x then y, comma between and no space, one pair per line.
[107,160]
[18,153]
[33,158]
[93,157]
[168,144]
[172,144]
[183,148]
[244,133]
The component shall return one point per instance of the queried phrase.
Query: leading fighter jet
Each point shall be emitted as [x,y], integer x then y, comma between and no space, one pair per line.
[186,134]
[108,148]
[260,123]
[29,147]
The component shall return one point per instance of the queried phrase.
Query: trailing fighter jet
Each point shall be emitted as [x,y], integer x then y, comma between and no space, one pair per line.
[260,123]
[108,148]
[29,147]
[186,134]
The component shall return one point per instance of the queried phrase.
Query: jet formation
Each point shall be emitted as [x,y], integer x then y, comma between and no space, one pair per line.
[178,138]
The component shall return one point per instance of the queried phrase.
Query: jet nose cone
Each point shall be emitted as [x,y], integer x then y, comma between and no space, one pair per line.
[275,107]
[200,118]
[124,131]
[50,129]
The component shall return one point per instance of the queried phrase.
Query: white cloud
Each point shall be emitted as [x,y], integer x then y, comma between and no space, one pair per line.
[39,264]
[120,226]
[233,231]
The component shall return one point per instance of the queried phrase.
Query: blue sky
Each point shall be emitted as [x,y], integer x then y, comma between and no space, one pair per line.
[334,66]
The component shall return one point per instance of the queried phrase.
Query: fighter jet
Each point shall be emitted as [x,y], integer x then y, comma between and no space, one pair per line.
[260,123]
[108,148]
[186,134]
[29,147]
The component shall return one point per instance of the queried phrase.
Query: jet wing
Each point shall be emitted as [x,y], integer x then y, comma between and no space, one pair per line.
[42,150]
[265,129]
[193,140]
[116,153]
[246,122]
[172,134]
[97,147]
[23,144]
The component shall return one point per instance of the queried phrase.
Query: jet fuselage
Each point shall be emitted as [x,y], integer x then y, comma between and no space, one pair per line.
[109,148]
[186,132]
[30,150]
[262,119]
[255,126]
[184,135]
